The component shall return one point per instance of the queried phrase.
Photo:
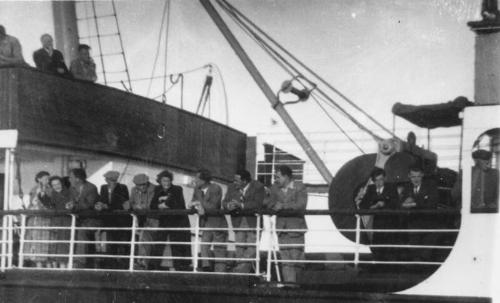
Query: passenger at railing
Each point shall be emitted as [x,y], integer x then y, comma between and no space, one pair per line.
[381,195]
[208,196]
[484,188]
[244,194]
[288,194]
[169,196]
[39,200]
[61,198]
[141,196]
[49,59]
[83,67]
[10,49]
[83,197]
[113,196]
[420,195]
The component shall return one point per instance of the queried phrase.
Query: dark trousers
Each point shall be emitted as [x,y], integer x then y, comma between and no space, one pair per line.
[178,250]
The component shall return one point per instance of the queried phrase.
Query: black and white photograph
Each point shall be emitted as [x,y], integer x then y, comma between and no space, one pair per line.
[249,151]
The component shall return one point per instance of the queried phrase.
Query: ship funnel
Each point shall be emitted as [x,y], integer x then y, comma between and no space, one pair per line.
[487,50]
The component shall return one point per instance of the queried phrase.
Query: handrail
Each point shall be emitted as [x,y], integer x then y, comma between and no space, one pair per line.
[273,262]
[178,212]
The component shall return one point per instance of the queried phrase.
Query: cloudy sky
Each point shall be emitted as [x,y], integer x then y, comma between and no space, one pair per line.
[375,52]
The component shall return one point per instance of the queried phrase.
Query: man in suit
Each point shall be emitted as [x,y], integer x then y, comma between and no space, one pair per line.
[169,196]
[208,196]
[113,196]
[49,59]
[83,197]
[420,194]
[288,194]
[381,195]
[141,196]
[244,194]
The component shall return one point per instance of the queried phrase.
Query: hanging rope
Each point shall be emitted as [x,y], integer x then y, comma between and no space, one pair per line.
[180,77]
[165,7]
[217,70]
[167,28]
[231,10]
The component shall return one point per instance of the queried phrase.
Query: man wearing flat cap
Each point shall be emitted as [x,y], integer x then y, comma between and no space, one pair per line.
[484,185]
[140,199]
[113,196]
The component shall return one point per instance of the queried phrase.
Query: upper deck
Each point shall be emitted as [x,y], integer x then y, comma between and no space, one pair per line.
[51,111]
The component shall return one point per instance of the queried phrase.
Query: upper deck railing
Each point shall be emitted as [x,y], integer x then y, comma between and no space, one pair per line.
[17,226]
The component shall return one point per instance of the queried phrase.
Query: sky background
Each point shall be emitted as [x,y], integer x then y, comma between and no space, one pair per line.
[375,52]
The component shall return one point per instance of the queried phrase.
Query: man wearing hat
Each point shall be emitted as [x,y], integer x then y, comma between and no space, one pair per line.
[140,199]
[113,196]
[484,184]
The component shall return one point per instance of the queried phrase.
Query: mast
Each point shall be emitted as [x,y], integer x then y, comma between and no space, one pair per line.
[268,92]
[65,28]
[487,54]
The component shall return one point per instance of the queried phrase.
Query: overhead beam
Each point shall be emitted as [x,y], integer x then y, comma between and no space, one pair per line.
[268,92]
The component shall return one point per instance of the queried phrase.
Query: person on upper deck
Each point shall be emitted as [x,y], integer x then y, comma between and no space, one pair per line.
[169,196]
[84,196]
[49,59]
[421,194]
[141,196]
[244,194]
[208,196]
[83,67]
[113,195]
[380,195]
[484,181]
[288,194]
[10,49]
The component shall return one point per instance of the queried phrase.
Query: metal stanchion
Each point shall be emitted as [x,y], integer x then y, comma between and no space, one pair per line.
[72,242]
[132,243]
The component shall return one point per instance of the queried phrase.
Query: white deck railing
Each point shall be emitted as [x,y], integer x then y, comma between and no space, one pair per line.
[17,223]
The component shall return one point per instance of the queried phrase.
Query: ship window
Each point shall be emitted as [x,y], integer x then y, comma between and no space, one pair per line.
[485,172]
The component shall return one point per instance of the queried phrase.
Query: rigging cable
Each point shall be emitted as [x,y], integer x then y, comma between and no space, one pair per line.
[157,47]
[228,6]
[337,124]
[161,77]
[277,57]
[167,28]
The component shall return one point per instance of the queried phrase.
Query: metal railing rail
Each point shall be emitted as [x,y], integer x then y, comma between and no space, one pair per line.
[23,228]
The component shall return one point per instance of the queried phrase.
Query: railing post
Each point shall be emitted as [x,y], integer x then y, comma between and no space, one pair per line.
[4,242]
[132,243]
[21,241]
[196,242]
[358,236]
[72,241]
[257,245]
[11,242]
[269,253]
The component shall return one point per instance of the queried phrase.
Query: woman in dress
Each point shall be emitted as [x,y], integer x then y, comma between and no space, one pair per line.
[61,201]
[39,200]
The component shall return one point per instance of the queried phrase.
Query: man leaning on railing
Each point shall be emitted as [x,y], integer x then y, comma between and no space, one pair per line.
[288,194]
[208,196]
[141,196]
[84,196]
[244,194]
